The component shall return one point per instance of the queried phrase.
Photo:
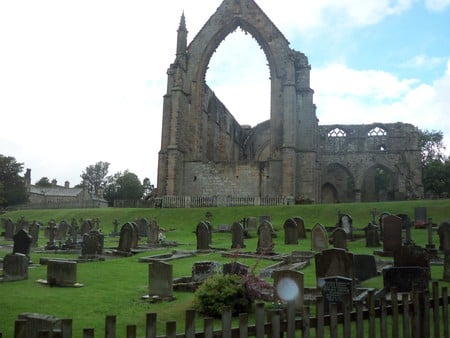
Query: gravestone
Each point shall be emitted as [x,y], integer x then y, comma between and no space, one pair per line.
[73,231]
[237,236]
[135,237]
[9,229]
[334,262]
[203,270]
[444,236]
[346,223]
[142,224]
[392,234]
[289,287]
[62,231]
[265,243]
[223,228]
[264,218]
[252,223]
[334,289]
[35,323]
[404,277]
[93,243]
[22,242]
[86,226]
[61,273]
[34,233]
[22,223]
[235,268]
[372,237]
[153,233]
[420,217]
[15,267]
[446,277]
[203,236]
[300,227]
[160,279]
[319,238]
[290,232]
[365,267]
[115,231]
[339,237]
[127,238]
[380,221]
[412,255]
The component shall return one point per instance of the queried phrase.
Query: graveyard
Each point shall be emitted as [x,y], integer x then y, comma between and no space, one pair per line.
[113,264]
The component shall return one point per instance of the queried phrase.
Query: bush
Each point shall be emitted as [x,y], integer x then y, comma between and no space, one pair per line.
[219,291]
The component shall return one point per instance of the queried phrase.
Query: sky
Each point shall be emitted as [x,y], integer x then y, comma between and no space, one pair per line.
[83,81]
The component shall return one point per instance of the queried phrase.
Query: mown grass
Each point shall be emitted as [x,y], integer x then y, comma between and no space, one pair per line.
[116,285]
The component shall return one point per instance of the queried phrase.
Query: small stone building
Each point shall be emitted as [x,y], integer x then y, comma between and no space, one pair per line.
[59,197]
[206,152]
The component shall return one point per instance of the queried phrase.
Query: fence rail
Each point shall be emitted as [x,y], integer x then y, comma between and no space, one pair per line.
[201,202]
[415,315]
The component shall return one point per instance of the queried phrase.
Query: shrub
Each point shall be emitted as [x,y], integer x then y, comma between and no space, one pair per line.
[219,291]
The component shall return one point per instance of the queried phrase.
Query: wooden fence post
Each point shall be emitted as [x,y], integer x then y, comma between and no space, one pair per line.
[110,326]
[150,325]
[290,319]
[445,311]
[208,327]
[359,320]
[88,333]
[306,322]
[333,321]
[371,306]
[259,319]
[226,322]
[66,328]
[189,330]
[275,320]
[394,305]
[319,317]
[383,318]
[406,317]
[20,328]
[131,331]
[347,306]
[425,313]
[416,318]
[243,325]
[171,329]
[436,329]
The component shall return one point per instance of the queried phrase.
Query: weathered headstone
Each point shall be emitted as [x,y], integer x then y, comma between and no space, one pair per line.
[9,229]
[61,273]
[86,226]
[235,268]
[142,224]
[290,232]
[444,236]
[372,237]
[319,238]
[237,236]
[265,244]
[380,221]
[346,223]
[203,236]
[127,238]
[35,323]
[15,267]
[252,223]
[339,237]
[300,227]
[392,234]
[365,267]
[22,223]
[62,231]
[334,289]
[404,277]
[289,287]
[22,242]
[203,270]
[420,217]
[334,262]
[34,233]
[153,233]
[160,279]
[412,255]
[93,243]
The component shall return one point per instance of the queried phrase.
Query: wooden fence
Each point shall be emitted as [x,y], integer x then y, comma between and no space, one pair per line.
[415,315]
[200,202]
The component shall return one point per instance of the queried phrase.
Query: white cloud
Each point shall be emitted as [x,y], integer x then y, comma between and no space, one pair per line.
[437,5]
[424,62]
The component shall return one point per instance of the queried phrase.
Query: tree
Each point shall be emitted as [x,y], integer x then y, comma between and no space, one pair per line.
[149,188]
[123,186]
[95,176]
[431,145]
[43,182]
[12,186]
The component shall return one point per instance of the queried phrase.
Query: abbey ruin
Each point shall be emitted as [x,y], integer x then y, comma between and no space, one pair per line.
[206,152]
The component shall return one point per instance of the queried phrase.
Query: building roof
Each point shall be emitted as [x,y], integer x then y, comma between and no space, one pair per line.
[55,191]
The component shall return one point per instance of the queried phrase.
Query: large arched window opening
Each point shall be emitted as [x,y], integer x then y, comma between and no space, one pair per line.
[239,75]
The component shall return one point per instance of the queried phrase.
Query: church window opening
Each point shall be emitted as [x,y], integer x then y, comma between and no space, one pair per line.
[337,132]
[377,131]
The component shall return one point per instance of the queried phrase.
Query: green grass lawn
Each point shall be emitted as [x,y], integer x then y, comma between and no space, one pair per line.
[116,285]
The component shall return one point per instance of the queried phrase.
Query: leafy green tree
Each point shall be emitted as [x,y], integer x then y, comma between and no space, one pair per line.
[149,188]
[12,186]
[123,186]
[95,176]
[431,145]
[43,182]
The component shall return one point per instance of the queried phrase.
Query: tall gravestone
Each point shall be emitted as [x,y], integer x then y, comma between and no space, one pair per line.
[127,239]
[289,287]
[346,223]
[412,255]
[9,229]
[339,237]
[93,244]
[34,233]
[319,238]
[237,236]
[380,221]
[160,279]
[22,242]
[372,236]
[153,233]
[62,230]
[444,236]
[290,232]
[265,244]
[392,234]
[203,236]
[142,224]
[334,262]
[300,227]
[365,267]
